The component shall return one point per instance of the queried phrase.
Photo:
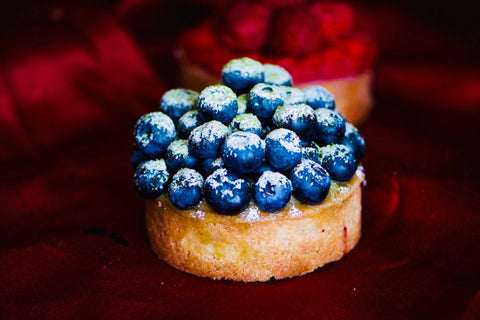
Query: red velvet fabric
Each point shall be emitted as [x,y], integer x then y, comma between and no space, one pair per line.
[73,81]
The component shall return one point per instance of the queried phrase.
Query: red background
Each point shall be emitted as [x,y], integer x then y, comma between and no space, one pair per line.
[73,80]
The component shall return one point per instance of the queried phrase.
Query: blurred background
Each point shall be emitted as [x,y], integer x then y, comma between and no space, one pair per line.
[76,75]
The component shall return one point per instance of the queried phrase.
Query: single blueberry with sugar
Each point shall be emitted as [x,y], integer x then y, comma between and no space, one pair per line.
[179,157]
[205,141]
[291,95]
[283,149]
[219,103]
[176,102]
[272,191]
[311,183]
[242,74]
[227,192]
[153,133]
[339,161]
[189,121]
[150,178]
[319,97]
[211,164]
[329,126]
[247,122]
[298,118]
[186,188]
[277,75]
[263,100]
[243,152]
[354,140]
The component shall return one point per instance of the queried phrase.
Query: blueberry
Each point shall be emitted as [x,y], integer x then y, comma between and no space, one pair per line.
[153,133]
[186,188]
[311,153]
[263,100]
[179,157]
[205,141]
[150,178]
[242,74]
[310,181]
[243,152]
[227,192]
[189,121]
[211,164]
[242,103]
[219,103]
[137,157]
[176,102]
[329,126]
[291,95]
[339,161]
[246,122]
[283,150]
[272,191]
[319,97]
[354,140]
[277,75]
[298,118]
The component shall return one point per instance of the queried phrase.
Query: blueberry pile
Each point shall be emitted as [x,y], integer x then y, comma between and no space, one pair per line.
[253,137]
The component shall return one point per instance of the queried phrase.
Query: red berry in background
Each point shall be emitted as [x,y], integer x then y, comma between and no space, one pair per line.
[294,32]
[336,19]
[245,26]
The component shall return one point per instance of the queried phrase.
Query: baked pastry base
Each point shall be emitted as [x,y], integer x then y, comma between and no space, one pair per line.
[353,94]
[255,245]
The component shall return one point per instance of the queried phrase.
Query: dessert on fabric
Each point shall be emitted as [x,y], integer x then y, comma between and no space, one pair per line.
[269,190]
[317,42]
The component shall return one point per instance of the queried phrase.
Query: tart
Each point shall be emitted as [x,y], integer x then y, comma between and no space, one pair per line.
[267,190]
[317,42]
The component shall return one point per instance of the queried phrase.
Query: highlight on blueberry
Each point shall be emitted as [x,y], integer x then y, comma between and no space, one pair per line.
[272,191]
[319,97]
[247,122]
[179,157]
[186,188]
[329,126]
[311,183]
[242,103]
[339,161]
[150,178]
[263,100]
[217,102]
[176,102]
[243,152]
[242,74]
[153,133]
[283,149]
[227,192]
[277,75]
[205,141]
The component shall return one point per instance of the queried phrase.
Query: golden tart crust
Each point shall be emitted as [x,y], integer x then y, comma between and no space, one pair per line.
[255,245]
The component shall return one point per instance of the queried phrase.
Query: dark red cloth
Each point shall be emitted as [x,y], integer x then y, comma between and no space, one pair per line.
[73,243]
